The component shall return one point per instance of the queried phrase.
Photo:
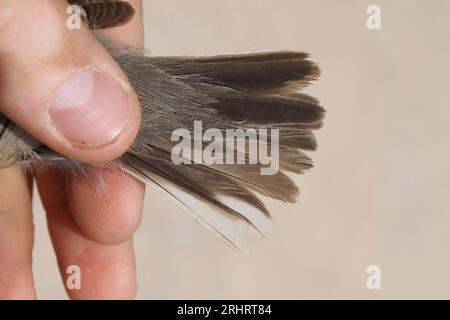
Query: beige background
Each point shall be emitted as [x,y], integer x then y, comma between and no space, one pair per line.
[379,193]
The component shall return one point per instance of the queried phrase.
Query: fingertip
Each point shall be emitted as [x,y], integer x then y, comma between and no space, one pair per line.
[93,112]
[62,86]
[111,214]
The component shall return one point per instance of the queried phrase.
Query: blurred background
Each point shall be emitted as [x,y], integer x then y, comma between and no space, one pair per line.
[380,190]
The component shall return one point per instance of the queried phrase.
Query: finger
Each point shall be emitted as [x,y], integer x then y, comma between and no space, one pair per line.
[106,272]
[111,217]
[16,236]
[61,85]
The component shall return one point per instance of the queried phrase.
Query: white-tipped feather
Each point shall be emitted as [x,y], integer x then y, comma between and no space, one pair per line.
[261,221]
[226,227]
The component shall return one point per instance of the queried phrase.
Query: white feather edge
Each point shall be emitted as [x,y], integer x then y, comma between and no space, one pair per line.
[230,229]
[221,224]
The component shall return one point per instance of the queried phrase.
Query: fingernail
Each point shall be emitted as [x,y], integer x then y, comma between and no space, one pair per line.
[90,109]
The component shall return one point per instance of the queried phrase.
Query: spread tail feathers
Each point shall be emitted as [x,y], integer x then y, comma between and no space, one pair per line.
[240,92]
[254,94]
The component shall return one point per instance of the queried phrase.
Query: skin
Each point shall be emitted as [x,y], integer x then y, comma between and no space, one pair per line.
[91,232]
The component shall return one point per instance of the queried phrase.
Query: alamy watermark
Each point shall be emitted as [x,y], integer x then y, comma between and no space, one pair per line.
[373,281]
[373,21]
[74,20]
[73,281]
[230,146]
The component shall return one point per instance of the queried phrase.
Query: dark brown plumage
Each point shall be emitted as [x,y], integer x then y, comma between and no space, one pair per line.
[102,14]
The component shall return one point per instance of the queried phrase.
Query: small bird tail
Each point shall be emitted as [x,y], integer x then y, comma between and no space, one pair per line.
[237,92]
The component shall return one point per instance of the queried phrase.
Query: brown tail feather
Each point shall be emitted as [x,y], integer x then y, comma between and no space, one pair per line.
[263,73]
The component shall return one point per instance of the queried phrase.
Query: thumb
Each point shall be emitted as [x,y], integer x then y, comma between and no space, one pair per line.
[61,85]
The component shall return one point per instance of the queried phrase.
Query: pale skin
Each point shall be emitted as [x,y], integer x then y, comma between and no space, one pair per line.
[94,234]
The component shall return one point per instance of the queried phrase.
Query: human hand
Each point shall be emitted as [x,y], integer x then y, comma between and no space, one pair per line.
[48,86]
